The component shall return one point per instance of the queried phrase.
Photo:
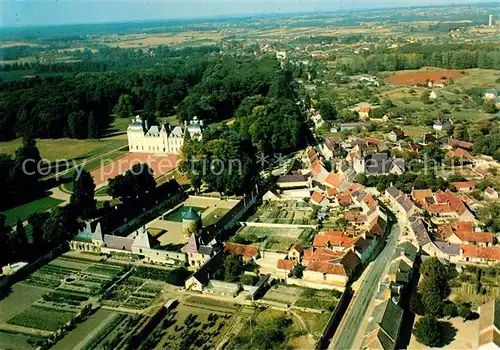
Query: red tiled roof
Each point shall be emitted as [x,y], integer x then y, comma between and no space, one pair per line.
[356,217]
[489,190]
[320,254]
[311,154]
[334,180]
[247,251]
[345,199]
[333,233]
[369,201]
[459,153]
[331,192]
[447,202]
[286,264]
[317,197]
[354,187]
[298,248]
[327,268]
[321,241]
[459,143]
[472,251]
[372,140]
[316,168]
[377,226]
[364,109]
[420,195]
[464,184]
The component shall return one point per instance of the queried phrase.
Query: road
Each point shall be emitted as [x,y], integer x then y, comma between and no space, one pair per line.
[350,325]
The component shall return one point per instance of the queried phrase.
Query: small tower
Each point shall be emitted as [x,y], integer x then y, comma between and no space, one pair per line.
[191,222]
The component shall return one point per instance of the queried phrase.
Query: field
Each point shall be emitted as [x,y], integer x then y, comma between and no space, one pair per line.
[58,149]
[37,317]
[159,164]
[20,298]
[84,332]
[22,212]
[18,341]
[302,297]
[133,293]
[421,77]
[273,238]
[476,287]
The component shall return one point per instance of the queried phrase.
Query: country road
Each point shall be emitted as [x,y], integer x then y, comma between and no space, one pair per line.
[350,325]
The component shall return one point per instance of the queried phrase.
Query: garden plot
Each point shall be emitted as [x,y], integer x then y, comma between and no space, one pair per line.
[273,238]
[43,318]
[74,276]
[283,294]
[197,325]
[133,293]
[289,212]
[476,285]
[19,298]
[318,299]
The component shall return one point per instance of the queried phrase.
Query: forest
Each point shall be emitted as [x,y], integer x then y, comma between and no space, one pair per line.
[162,82]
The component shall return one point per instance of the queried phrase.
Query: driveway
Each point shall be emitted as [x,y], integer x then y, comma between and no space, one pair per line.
[351,323]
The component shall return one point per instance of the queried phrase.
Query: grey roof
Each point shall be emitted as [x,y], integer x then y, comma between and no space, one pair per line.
[153,131]
[407,249]
[177,132]
[387,317]
[209,268]
[117,242]
[135,126]
[378,163]
[406,203]
[420,231]
[292,178]
[205,250]
[448,248]
[399,162]
[330,144]
[393,192]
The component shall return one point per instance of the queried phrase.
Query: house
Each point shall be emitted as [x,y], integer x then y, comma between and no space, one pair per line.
[442,125]
[284,267]
[296,252]
[489,325]
[334,180]
[434,95]
[396,134]
[329,147]
[318,171]
[319,199]
[364,112]
[198,280]
[420,196]
[384,326]
[393,194]
[247,252]
[452,143]
[463,232]
[378,164]
[464,186]
[419,229]
[335,242]
[459,154]
[490,193]
[477,254]
[292,181]
[197,252]
[448,204]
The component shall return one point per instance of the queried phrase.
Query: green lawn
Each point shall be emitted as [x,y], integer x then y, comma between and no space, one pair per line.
[24,211]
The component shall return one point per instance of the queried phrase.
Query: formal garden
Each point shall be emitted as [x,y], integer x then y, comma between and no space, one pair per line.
[285,212]
[274,238]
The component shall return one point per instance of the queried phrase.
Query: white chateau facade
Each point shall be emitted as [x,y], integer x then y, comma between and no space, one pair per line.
[164,139]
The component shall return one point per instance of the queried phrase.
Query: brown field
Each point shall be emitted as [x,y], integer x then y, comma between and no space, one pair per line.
[421,77]
[160,165]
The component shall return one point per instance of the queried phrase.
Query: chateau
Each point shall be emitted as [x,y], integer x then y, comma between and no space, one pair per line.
[165,139]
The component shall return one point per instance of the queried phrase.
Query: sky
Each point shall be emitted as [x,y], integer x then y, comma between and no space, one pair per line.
[52,12]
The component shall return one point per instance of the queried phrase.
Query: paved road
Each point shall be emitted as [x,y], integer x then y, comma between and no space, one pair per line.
[353,319]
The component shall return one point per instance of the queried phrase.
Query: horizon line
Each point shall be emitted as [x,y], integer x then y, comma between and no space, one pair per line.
[256,14]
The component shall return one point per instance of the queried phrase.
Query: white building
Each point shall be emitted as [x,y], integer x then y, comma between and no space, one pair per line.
[164,139]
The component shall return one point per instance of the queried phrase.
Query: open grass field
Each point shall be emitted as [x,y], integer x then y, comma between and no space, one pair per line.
[420,77]
[58,149]
[20,298]
[17,341]
[476,78]
[24,211]
[176,215]
[42,318]
[83,332]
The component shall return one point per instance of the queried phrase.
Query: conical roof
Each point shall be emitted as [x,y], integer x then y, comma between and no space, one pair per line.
[190,214]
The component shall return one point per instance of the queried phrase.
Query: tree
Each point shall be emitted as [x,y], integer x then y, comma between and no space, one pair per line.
[124,107]
[93,127]
[435,287]
[361,179]
[4,240]
[416,305]
[233,267]
[425,97]
[36,221]
[450,310]
[489,106]
[22,237]
[327,110]
[77,125]
[25,169]
[83,193]
[428,331]
[60,225]
[387,104]
[248,280]
[133,184]
[464,311]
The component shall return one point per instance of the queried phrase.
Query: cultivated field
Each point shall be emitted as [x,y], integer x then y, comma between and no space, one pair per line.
[273,238]
[22,212]
[421,77]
